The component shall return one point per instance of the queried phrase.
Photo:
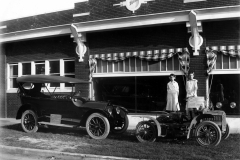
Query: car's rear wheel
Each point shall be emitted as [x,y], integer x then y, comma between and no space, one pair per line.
[97,126]
[120,126]
[146,132]
[29,121]
[226,134]
[208,133]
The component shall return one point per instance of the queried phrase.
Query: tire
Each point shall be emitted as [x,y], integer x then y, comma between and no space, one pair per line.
[226,134]
[146,132]
[29,121]
[97,126]
[121,126]
[208,133]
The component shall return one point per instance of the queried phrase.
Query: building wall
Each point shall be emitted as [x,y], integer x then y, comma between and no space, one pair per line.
[138,39]
[104,9]
[2,82]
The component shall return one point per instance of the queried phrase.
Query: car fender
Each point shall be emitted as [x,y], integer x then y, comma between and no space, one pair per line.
[89,112]
[23,108]
[159,130]
[195,121]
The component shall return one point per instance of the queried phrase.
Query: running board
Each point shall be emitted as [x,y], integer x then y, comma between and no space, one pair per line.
[60,125]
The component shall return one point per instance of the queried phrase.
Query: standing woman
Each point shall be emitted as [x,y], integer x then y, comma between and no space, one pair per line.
[172,94]
[191,89]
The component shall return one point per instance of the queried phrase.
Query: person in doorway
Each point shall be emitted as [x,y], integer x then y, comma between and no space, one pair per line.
[172,94]
[191,89]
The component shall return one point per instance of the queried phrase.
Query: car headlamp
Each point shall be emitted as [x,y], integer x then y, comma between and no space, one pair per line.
[118,110]
[219,105]
[232,104]
[109,109]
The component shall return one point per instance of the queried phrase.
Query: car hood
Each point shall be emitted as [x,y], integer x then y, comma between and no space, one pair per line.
[95,104]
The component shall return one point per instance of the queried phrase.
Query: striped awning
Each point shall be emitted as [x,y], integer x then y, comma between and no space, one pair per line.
[150,55]
[232,50]
[212,52]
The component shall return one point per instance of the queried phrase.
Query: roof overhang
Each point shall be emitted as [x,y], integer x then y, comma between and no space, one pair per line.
[206,14]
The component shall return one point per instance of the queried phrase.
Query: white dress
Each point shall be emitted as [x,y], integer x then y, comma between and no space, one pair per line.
[191,89]
[172,96]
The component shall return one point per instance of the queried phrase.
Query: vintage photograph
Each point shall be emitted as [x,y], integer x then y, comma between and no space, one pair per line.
[119,79]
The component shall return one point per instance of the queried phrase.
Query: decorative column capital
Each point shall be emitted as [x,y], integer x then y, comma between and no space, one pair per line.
[196,40]
[79,38]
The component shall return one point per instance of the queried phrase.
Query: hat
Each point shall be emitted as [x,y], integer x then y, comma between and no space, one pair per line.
[172,75]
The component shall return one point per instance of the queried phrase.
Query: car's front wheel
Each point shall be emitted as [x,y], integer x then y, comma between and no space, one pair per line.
[120,126]
[97,126]
[29,121]
[146,132]
[208,133]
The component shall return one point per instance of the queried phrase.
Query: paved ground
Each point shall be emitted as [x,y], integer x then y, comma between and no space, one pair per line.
[17,153]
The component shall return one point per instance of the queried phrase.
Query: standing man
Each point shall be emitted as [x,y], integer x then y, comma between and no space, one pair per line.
[172,94]
[191,89]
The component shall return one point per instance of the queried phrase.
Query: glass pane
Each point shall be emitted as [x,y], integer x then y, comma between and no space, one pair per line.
[13,70]
[154,65]
[176,63]
[54,67]
[115,66]
[132,64]
[225,62]
[99,66]
[144,65]
[169,64]
[226,90]
[233,62]
[127,65]
[219,61]
[120,66]
[40,68]
[26,67]
[110,65]
[163,65]
[13,83]
[69,67]
[68,84]
[138,61]
[104,65]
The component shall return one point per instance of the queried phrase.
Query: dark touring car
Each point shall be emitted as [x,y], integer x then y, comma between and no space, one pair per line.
[66,110]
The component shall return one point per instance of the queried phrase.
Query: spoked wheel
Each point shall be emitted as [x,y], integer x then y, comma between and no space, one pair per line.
[208,133]
[120,126]
[226,133]
[146,132]
[97,126]
[29,121]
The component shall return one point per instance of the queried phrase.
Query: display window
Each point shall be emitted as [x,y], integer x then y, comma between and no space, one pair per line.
[138,94]
[225,93]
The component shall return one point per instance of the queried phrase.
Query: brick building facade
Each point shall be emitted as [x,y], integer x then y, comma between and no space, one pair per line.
[108,30]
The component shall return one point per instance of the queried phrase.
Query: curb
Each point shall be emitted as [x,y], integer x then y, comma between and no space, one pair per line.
[55,154]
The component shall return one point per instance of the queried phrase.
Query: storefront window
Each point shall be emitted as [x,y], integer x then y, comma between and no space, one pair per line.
[226,90]
[138,94]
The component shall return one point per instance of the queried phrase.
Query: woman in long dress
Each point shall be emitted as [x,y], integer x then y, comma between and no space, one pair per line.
[191,89]
[172,94]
